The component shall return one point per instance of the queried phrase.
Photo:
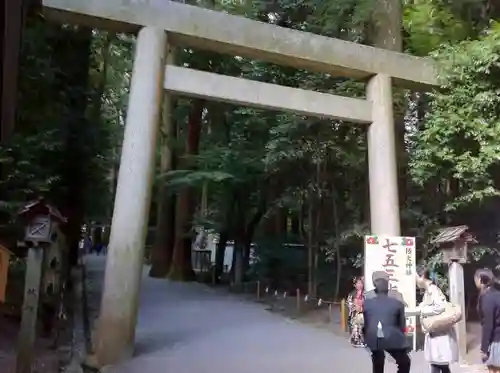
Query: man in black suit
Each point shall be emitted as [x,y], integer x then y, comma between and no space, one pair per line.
[384,328]
[392,293]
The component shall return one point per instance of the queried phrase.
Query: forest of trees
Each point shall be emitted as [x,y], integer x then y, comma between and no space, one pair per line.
[255,176]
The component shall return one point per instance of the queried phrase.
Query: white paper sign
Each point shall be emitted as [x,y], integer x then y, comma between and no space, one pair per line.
[396,257]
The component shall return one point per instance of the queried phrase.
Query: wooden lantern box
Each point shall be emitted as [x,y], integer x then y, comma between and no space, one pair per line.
[39,218]
[453,242]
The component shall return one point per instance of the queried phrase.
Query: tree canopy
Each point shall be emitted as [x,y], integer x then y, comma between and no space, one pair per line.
[263,177]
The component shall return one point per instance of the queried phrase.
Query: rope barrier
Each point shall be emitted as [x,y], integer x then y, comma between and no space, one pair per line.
[307,300]
[307,297]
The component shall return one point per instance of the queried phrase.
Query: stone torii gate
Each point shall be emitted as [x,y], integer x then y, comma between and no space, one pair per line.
[161,24]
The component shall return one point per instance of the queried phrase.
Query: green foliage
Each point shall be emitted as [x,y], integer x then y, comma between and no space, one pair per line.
[279,262]
[256,162]
[181,178]
[431,23]
[49,131]
[294,162]
[459,140]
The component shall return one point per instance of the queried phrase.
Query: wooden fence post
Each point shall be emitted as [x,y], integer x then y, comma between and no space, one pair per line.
[27,332]
[343,315]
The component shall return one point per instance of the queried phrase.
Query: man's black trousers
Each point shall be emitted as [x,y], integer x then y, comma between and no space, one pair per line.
[401,356]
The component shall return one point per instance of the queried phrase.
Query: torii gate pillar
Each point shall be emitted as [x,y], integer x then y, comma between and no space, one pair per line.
[119,304]
[382,166]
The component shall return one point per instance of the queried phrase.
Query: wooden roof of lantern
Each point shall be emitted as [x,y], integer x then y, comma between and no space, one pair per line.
[40,207]
[452,234]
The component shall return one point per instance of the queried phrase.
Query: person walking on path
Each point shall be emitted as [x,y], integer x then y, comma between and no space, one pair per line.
[384,328]
[355,302]
[489,313]
[440,349]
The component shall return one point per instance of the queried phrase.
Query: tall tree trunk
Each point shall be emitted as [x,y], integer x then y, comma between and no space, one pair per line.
[100,85]
[14,13]
[282,221]
[314,231]
[250,232]
[311,288]
[387,24]
[238,259]
[113,175]
[238,246]
[220,253]
[181,268]
[302,213]
[163,247]
[73,51]
[366,179]
[97,238]
[243,234]
[295,224]
[338,254]
[204,200]
[269,224]
[317,245]
[217,116]
[97,101]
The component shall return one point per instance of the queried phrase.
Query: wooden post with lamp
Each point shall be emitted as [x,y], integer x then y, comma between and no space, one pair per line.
[453,242]
[40,220]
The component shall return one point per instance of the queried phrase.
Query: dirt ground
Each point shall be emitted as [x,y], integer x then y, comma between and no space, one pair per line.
[326,316]
[46,359]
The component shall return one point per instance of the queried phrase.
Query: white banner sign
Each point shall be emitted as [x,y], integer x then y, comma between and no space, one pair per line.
[396,257]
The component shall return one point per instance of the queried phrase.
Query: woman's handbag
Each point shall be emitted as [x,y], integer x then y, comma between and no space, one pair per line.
[359,319]
[444,321]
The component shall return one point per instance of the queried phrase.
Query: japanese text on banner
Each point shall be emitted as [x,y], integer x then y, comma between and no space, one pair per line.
[390,265]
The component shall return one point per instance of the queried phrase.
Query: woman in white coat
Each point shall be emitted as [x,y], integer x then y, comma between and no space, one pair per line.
[440,349]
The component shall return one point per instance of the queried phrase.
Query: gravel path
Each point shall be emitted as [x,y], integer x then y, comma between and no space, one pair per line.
[191,328]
